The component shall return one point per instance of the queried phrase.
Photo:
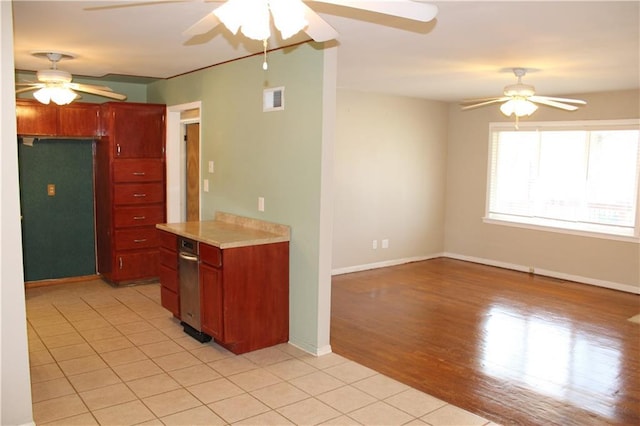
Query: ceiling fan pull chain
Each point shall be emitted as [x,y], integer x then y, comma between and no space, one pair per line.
[265,66]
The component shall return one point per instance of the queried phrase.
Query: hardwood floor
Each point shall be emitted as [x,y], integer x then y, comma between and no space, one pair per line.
[511,347]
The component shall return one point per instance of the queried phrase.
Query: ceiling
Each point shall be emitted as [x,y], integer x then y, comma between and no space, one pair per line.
[572,47]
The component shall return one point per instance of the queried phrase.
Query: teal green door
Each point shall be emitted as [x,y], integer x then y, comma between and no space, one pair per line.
[56,199]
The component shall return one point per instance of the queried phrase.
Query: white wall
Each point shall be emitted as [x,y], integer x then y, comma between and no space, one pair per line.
[16,388]
[389,178]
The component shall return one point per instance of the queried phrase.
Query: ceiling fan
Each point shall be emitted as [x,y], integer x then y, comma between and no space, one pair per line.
[55,84]
[251,17]
[295,15]
[520,99]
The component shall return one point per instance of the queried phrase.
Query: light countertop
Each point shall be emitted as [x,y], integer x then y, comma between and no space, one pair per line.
[228,231]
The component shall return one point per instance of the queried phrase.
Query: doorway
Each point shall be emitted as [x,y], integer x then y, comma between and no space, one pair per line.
[192,151]
[183,162]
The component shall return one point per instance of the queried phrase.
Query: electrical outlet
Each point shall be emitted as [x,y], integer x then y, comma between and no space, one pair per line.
[385,243]
[205,185]
[51,189]
[374,245]
[211,166]
[260,204]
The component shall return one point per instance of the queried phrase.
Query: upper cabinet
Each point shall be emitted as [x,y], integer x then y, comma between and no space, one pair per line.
[134,130]
[78,119]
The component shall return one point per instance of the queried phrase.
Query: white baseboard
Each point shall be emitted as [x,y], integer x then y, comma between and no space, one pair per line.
[547,273]
[384,264]
[324,350]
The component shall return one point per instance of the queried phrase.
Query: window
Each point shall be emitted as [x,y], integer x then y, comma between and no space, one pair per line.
[568,176]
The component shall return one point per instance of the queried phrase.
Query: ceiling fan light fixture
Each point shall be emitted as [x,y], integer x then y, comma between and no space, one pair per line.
[519,107]
[59,95]
[251,17]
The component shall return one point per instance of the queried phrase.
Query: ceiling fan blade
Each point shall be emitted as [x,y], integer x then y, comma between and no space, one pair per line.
[26,89]
[104,93]
[481,104]
[133,4]
[204,25]
[318,29]
[407,9]
[546,101]
[550,98]
[80,86]
[25,83]
[478,100]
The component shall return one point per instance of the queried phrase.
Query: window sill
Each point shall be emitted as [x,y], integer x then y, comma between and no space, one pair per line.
[507,221]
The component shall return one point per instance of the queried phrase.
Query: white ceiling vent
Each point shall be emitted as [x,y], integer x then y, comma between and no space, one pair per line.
[273,99]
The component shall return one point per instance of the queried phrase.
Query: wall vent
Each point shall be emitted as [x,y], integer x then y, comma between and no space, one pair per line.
[273,99]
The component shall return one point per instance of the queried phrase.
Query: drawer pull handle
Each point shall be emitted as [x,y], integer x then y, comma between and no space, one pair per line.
[139,195]
[120,262]
[139,173]
[118,148]
[139,217]
[140,240]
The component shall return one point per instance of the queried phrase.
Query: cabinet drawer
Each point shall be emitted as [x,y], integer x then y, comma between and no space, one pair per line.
[170,300]
[138,216]
[138,193]
[138,170]
[169,258]
[135,266]
[168,240]
[210,255]
[136,238]
[169,278]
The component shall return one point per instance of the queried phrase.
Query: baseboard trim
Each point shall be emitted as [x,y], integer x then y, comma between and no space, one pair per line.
[547,273]
[384,264]
[324,350]
[58,281]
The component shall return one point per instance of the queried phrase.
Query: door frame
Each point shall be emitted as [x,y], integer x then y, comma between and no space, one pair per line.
[175,159]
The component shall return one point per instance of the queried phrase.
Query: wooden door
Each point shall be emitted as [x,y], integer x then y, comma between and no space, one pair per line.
[193,171]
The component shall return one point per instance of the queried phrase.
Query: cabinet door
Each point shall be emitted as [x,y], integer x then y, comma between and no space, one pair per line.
[138,131]
[78,119]
[131,266]
[36,119]
[211,301]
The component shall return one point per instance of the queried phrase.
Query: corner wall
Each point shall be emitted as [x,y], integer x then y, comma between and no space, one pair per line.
[389,180]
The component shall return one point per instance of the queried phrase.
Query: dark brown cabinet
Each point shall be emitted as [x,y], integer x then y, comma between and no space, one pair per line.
[244,295]
[77,119]
[169,280]
[130,190]
[135,130]
[211,302]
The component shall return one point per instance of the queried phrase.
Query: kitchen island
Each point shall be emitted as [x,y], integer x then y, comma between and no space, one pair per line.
[242,274]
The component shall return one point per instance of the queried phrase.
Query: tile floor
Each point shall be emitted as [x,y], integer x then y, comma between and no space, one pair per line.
[114,356]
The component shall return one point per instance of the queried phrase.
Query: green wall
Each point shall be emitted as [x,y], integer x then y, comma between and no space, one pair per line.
[275,155]
[58,235]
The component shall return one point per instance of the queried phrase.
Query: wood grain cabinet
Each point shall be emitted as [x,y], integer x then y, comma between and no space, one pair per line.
[78,119]
[169,280]
[244,295]
[130,191]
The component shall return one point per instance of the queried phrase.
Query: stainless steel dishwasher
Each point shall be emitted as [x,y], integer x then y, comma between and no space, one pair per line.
[190,289]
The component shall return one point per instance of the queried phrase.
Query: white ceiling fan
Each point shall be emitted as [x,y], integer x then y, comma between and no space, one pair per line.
[292,16]
[521,99]
[55,85]
[252,18]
